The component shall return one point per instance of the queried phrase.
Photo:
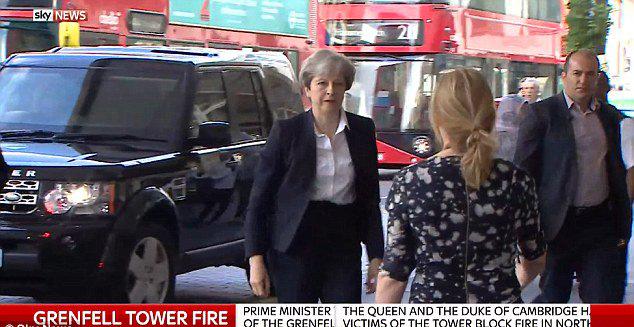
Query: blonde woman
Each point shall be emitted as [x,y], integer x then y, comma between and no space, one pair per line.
[462,219]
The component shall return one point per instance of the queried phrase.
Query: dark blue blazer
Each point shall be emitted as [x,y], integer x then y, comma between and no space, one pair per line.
[285,174]
[546,149]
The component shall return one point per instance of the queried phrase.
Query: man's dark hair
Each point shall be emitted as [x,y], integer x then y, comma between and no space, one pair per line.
[581,51]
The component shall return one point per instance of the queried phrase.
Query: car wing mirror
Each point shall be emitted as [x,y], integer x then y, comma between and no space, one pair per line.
[214,134]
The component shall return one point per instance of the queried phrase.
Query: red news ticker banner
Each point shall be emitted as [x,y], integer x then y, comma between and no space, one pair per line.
[112,315]
[612,315]
[263,315]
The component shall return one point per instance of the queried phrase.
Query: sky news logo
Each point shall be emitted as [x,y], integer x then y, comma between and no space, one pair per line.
[53,15]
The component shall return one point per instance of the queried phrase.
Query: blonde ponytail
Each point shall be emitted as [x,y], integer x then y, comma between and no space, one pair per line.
[462,106]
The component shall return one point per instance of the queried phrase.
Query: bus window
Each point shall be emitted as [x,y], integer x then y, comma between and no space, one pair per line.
[443,62]
[395,94]
[548,10]
[94,38]
[293,57]
[186,44]
[545,74]
[499,81]
[487,5]
[22,40]
[144,41]
[217,45]
[497,74]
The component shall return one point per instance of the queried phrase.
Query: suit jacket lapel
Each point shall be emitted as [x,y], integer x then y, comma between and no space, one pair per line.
[611,138]
[354,145]
[564,117]
[607,128]
[563,111]
[308,148]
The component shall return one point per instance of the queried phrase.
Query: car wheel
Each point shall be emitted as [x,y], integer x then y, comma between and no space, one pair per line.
[149,275]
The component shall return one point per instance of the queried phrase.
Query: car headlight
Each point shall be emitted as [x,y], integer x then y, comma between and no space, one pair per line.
[84,198]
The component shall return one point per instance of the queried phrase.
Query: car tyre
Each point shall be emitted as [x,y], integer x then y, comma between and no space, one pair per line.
[148,273]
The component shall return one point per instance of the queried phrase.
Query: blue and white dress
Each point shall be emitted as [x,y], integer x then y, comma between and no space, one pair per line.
[463,248]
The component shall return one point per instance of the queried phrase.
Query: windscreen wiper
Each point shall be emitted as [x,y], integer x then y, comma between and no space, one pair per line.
[102,137]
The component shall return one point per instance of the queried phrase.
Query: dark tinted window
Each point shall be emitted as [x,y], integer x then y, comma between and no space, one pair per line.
[244,102]
[144,41]
[216,45]
[94,38]
[210,103]
[186,44]
[23,40]
[134,97]
[112,97]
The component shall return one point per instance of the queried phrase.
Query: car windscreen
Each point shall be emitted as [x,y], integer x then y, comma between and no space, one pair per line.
[111,97]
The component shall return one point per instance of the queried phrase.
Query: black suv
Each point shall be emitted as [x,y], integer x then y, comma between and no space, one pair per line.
[129,166]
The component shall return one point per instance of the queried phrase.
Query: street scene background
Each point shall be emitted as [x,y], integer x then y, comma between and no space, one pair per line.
[229,284]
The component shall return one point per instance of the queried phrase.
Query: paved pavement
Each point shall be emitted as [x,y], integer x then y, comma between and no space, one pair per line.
[229,285]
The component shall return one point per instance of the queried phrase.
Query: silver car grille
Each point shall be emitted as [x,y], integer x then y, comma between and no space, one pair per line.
[19,196]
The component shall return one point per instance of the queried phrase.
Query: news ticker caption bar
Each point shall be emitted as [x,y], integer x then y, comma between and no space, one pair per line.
[340,315]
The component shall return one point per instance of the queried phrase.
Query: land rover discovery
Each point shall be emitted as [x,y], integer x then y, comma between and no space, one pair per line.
[129,166]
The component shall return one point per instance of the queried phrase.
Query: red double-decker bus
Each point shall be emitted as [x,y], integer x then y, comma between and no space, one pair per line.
[273,25]
[401,46]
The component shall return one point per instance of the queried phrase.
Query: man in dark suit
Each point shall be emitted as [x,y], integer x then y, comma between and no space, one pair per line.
[570,143]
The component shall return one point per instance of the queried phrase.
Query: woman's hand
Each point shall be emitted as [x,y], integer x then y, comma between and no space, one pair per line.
[259,276]
[389,290]
[526,270]
[373,273]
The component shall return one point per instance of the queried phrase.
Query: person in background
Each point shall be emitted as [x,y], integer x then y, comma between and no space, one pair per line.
[529,89]
[511,111]
[570,144]
[315,196]
[462,218]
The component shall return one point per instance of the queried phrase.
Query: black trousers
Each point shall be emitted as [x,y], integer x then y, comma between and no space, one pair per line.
[587,245]
[324,260]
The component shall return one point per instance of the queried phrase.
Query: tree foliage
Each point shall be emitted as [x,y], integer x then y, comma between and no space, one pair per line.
[588,24]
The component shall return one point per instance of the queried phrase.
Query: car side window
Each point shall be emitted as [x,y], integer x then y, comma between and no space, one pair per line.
[210,102]
[243,101]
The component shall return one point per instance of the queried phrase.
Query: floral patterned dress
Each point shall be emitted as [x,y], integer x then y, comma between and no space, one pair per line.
[463,248]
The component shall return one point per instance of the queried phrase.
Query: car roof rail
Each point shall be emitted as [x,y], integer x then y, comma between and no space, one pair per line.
[185,51]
